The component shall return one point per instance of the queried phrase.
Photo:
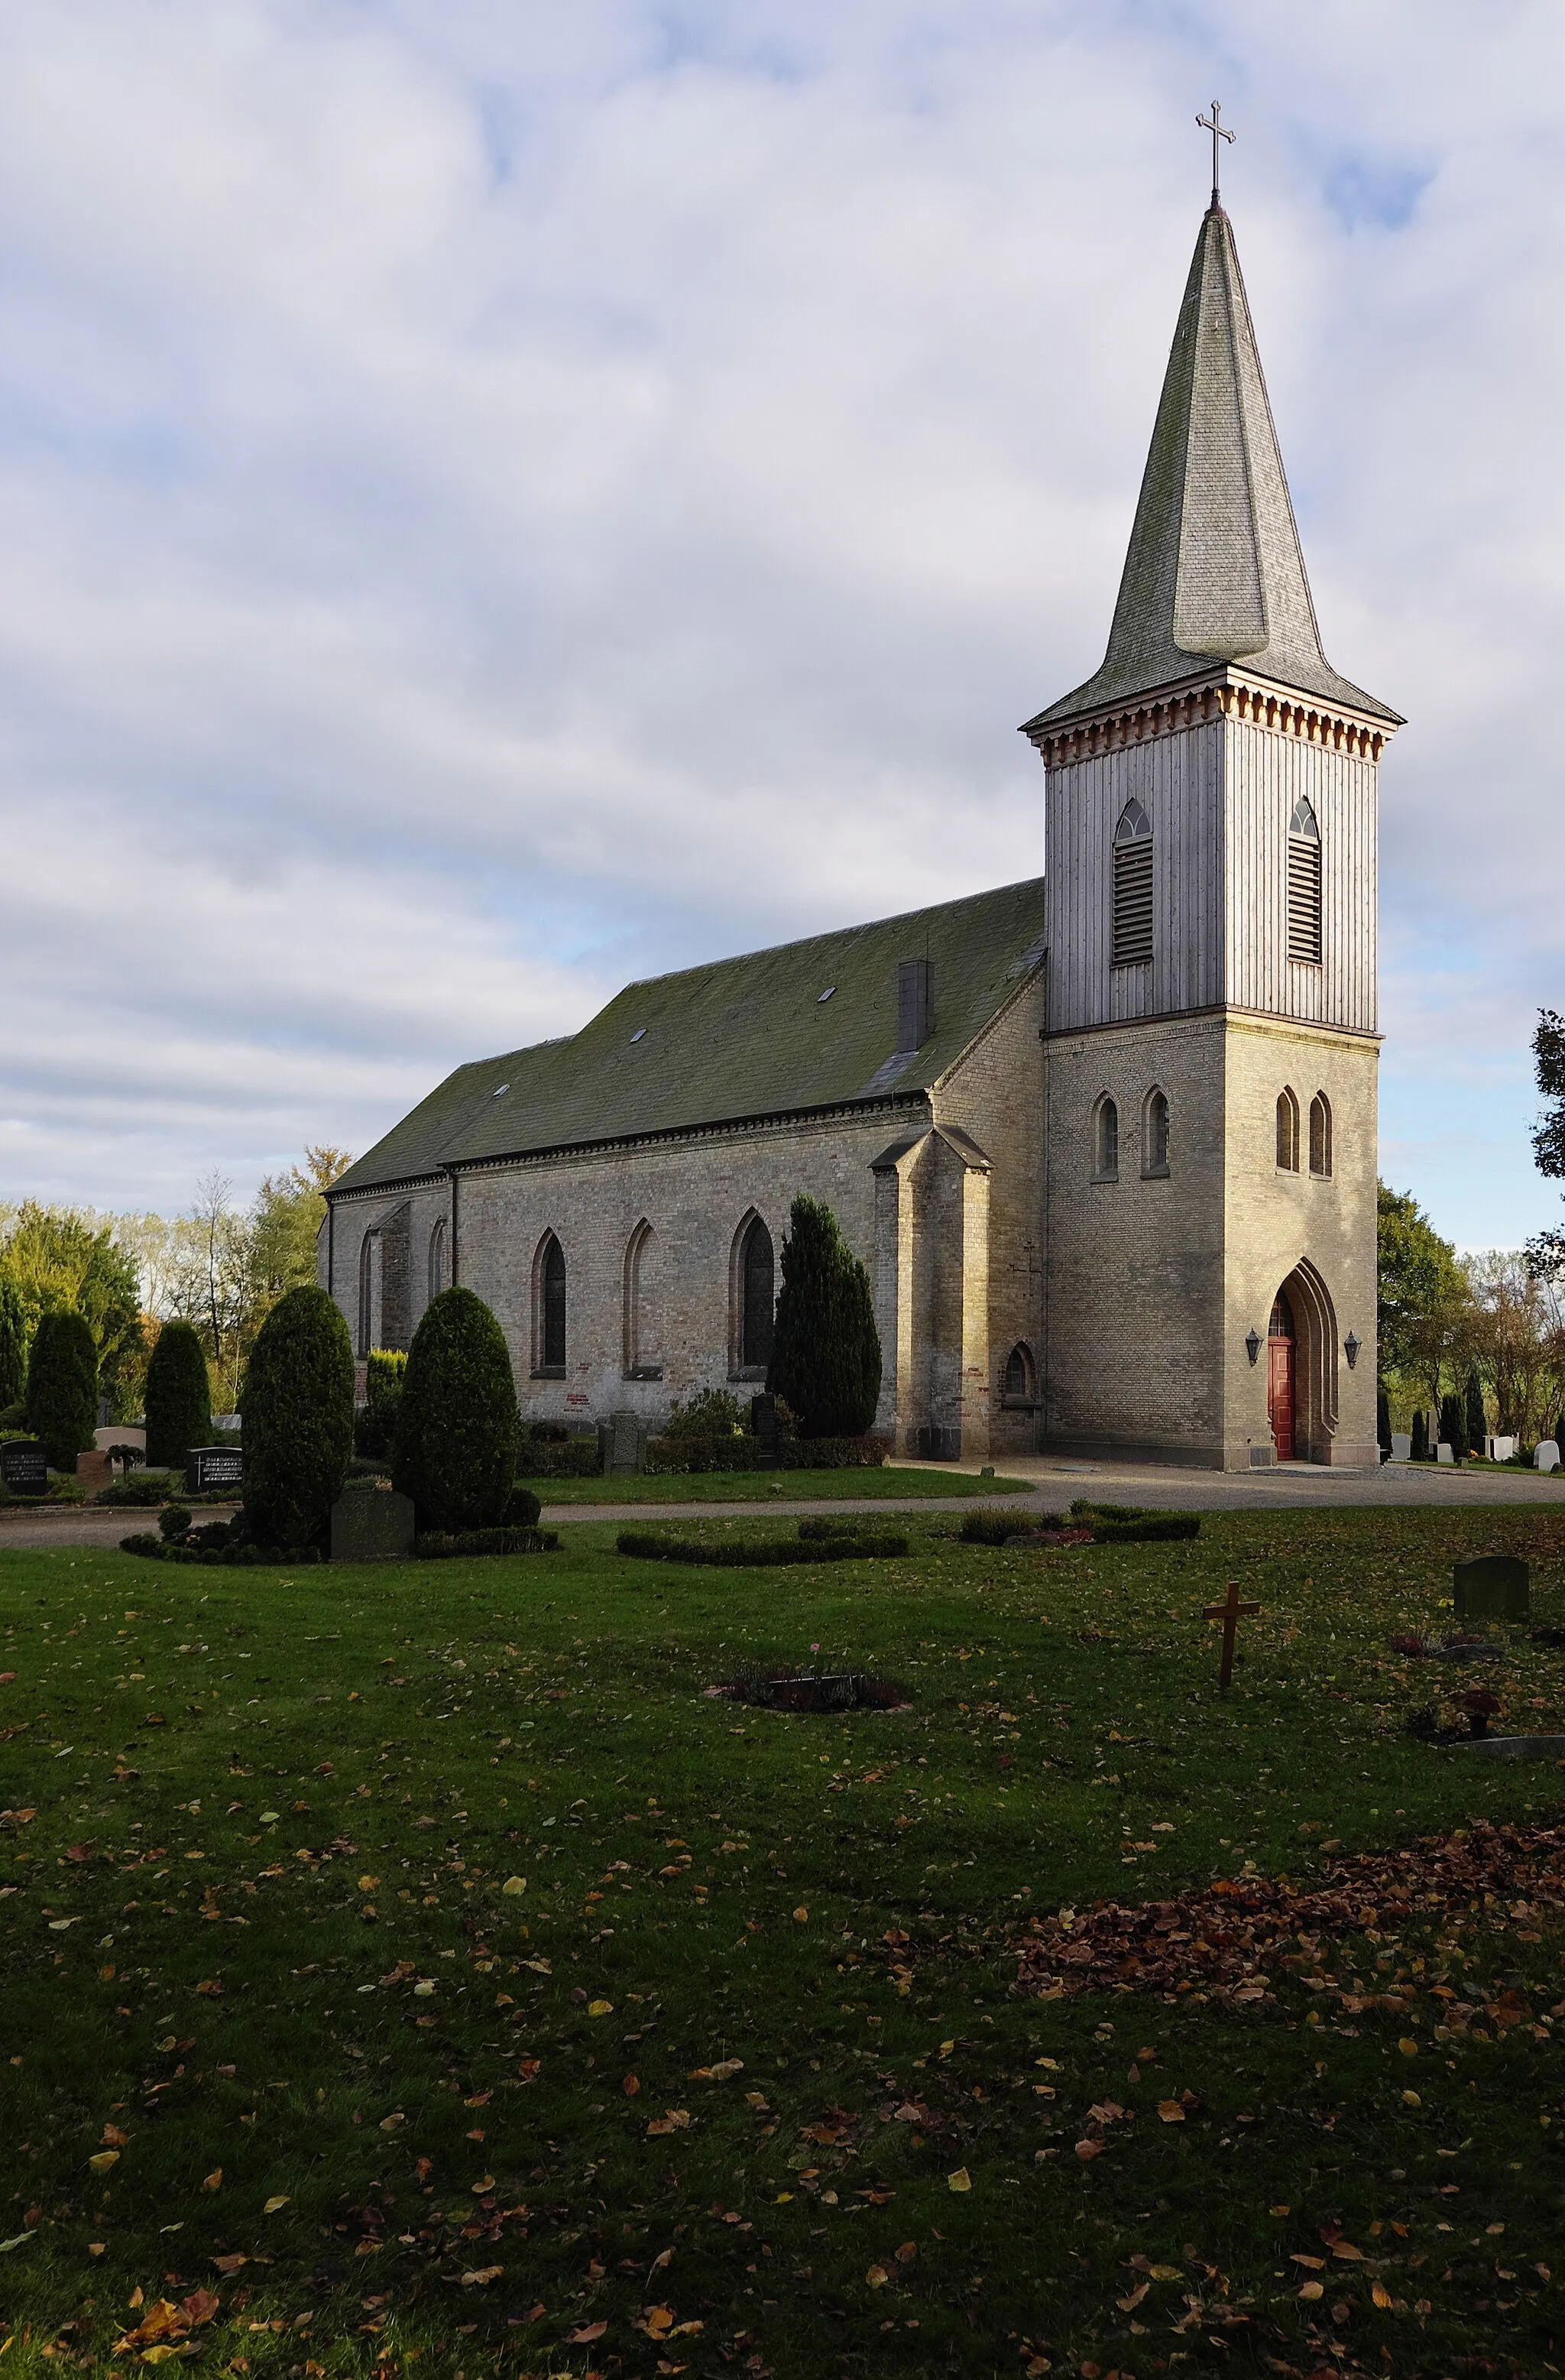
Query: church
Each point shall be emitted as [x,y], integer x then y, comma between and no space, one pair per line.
[1105,1139]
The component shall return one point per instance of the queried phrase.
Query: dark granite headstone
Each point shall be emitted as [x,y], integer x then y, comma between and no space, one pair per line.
[210,1467]
[1491,1586]
[24,1465]
[371,1524]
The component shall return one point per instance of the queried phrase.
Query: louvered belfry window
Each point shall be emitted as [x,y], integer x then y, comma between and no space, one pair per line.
[1303,886]
[1132,887]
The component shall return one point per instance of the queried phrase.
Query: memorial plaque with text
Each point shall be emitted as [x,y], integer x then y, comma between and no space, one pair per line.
[24,1465]
[213,1467]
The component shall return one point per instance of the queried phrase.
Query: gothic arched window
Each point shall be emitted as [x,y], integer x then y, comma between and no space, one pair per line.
[1017,1381]
[369,1266]
[640,1319]
[1303,886]
[1154,1133]
[1106,1141]
[1320,1134]
[549,1308]
[1287,1131]
[1132,887]
[754,1298]
[437,1259]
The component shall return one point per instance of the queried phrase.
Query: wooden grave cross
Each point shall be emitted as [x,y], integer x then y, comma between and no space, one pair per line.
[1231,1612]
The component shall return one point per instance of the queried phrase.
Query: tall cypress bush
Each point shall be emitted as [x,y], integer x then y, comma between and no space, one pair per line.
[826,1352]
[458,1434]
[178,1396]
[1453,1426]
[1476,1418]
[13,1345]
[62,1386]
[376,1425]
[1420,1449]
[1383,1422]
[298,1409]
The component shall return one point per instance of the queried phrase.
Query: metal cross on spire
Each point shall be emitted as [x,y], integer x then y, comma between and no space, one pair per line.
[1219,130]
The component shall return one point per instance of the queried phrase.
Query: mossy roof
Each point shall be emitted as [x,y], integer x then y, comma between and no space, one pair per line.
[749,1036]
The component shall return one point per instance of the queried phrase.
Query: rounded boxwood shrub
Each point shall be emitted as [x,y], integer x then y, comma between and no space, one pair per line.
[297,1407]
[61,1387]
[13,1345]
[826,1351]
[459,1433]
[178,1397]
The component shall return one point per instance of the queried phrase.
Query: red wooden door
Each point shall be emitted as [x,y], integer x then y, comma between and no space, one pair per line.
[1279,1396]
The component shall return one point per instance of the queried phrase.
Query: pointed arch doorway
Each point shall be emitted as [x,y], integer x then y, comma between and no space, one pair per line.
[1302,1368]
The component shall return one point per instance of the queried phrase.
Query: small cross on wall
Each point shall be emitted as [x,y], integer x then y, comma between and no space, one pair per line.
[1231,1612]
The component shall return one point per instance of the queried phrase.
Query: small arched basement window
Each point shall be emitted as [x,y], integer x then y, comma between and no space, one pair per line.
[1287,1131]
[1320,1135]
[1154,1133]
[1106,1141]
[1017,1381]
[1132,887]
[1303,886]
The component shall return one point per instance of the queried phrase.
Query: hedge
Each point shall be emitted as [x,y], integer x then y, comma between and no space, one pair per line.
[559,1458]
[222,1556]
[178,1396]
[673,1455]
[1129,1525]
[439,1546]
[299,1419]
[766,1554]
[61,1387]
[459,1433]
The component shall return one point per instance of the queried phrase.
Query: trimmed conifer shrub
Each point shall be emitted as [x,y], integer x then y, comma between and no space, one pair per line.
[178,1396]
[459,1433]
[1453,1426]
[826,1351]
[13,1345]
[62,1386]
[298,1406]
[1476,1419]
[376,1425]
[1383,1422]
[1419,1451]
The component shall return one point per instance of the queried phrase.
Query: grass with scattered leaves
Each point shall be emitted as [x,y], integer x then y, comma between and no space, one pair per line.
[411,1970]
[898,1481]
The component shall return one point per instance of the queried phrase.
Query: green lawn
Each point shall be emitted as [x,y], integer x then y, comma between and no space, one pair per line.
[760,1486]
[260,1952]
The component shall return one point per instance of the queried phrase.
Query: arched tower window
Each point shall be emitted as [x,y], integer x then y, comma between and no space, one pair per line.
[1303,886]
[1287,1131]
[1132,887]
[369,1268]
[437,1259]
[641,1361]
[1320,1134]
[549,1309]
[1106,1141]
[754,1297]
[1154,1133]
[1018,1380]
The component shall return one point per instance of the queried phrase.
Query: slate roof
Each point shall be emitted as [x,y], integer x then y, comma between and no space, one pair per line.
[741,1037]
[1214,573]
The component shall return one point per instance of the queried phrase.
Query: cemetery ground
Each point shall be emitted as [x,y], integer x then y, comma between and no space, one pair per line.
[410,1970]
[888,1483]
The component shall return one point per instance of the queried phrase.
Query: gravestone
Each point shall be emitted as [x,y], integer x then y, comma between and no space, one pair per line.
[120,1433]
[209,1467]
[1545,1457]
[372,1525]
[1502,1449]
[1443,1451]
[94,1470]
[622,1445]
[24,1465]
[764,1430]
[1491,1586]
[1401,1446]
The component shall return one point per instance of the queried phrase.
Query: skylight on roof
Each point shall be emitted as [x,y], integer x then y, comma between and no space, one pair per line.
[501,1092]
[825,995]
[639,1034]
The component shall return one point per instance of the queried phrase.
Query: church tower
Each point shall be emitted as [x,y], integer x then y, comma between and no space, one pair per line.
[1212,1036]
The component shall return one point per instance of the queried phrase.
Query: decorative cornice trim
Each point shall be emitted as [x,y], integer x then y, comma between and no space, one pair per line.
[1221,1017]
[1182,708]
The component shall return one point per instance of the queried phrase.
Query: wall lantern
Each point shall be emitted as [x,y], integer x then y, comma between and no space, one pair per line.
[1350,1348]
[1252,1345]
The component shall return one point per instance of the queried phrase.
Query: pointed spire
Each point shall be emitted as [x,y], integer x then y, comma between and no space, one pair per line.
[1214,573]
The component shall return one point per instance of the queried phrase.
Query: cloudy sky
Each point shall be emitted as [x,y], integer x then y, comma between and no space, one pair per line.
[497,498]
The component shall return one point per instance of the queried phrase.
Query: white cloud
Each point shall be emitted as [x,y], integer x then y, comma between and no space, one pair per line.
[500,499]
